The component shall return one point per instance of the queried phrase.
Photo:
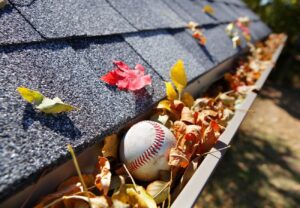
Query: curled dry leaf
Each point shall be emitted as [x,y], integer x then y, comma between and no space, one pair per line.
[177,106]
[208,140]
[187,115]
[85,202]
[110,146]
[178,129]
[193,133]
[159,190]
[103,179]
[65,191]
[244,90]
[226,99]
[201,103]
[177,158]
[205,116]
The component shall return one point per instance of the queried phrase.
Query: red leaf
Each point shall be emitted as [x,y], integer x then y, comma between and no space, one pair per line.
[126,78]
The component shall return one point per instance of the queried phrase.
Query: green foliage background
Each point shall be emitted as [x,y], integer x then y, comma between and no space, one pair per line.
[283,16]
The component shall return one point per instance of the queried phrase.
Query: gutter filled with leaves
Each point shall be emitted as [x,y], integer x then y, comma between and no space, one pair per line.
[190,137]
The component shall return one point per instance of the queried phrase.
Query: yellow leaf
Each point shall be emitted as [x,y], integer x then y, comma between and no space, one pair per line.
[208,9]
[30,96]
[188,99]
[178,76]
[170,91]
[136,198]
[54,106]
[164,104]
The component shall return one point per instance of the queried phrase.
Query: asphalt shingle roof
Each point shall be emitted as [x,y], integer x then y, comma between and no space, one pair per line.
[61,48]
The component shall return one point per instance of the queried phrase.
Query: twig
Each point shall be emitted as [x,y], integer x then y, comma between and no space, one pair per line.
[130,176]
[218,150]
[79,173]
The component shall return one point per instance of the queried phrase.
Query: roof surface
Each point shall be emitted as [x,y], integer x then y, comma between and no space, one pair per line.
[61,48]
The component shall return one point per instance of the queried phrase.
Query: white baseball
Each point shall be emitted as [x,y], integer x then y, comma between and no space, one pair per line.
[145,149]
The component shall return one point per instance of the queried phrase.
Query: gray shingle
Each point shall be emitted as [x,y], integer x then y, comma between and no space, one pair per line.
[31,141]
[144,14]
[200,53]
[218,43]
[63,18]
[236,11]
[162,51]
[178,10]
[221,13]
[195,11]
[259,30]
[14,28]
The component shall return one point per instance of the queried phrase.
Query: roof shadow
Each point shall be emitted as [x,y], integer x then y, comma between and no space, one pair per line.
[6,10]
[60,123]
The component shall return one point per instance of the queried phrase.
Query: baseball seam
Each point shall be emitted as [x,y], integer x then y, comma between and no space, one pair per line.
[151,151]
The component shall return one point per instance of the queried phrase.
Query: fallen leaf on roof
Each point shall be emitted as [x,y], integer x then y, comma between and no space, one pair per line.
[192,25]
[208,9]
[126,78]
[44,104]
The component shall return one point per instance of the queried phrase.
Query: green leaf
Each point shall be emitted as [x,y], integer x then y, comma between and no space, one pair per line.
[54,106]
[31,96]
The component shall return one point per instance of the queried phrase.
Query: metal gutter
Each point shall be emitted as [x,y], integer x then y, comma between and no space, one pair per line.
[190,193]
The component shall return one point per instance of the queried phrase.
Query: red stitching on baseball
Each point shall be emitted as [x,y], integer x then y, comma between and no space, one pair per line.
[151,151]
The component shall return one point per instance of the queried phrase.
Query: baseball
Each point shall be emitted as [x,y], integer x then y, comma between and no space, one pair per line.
[145,149]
